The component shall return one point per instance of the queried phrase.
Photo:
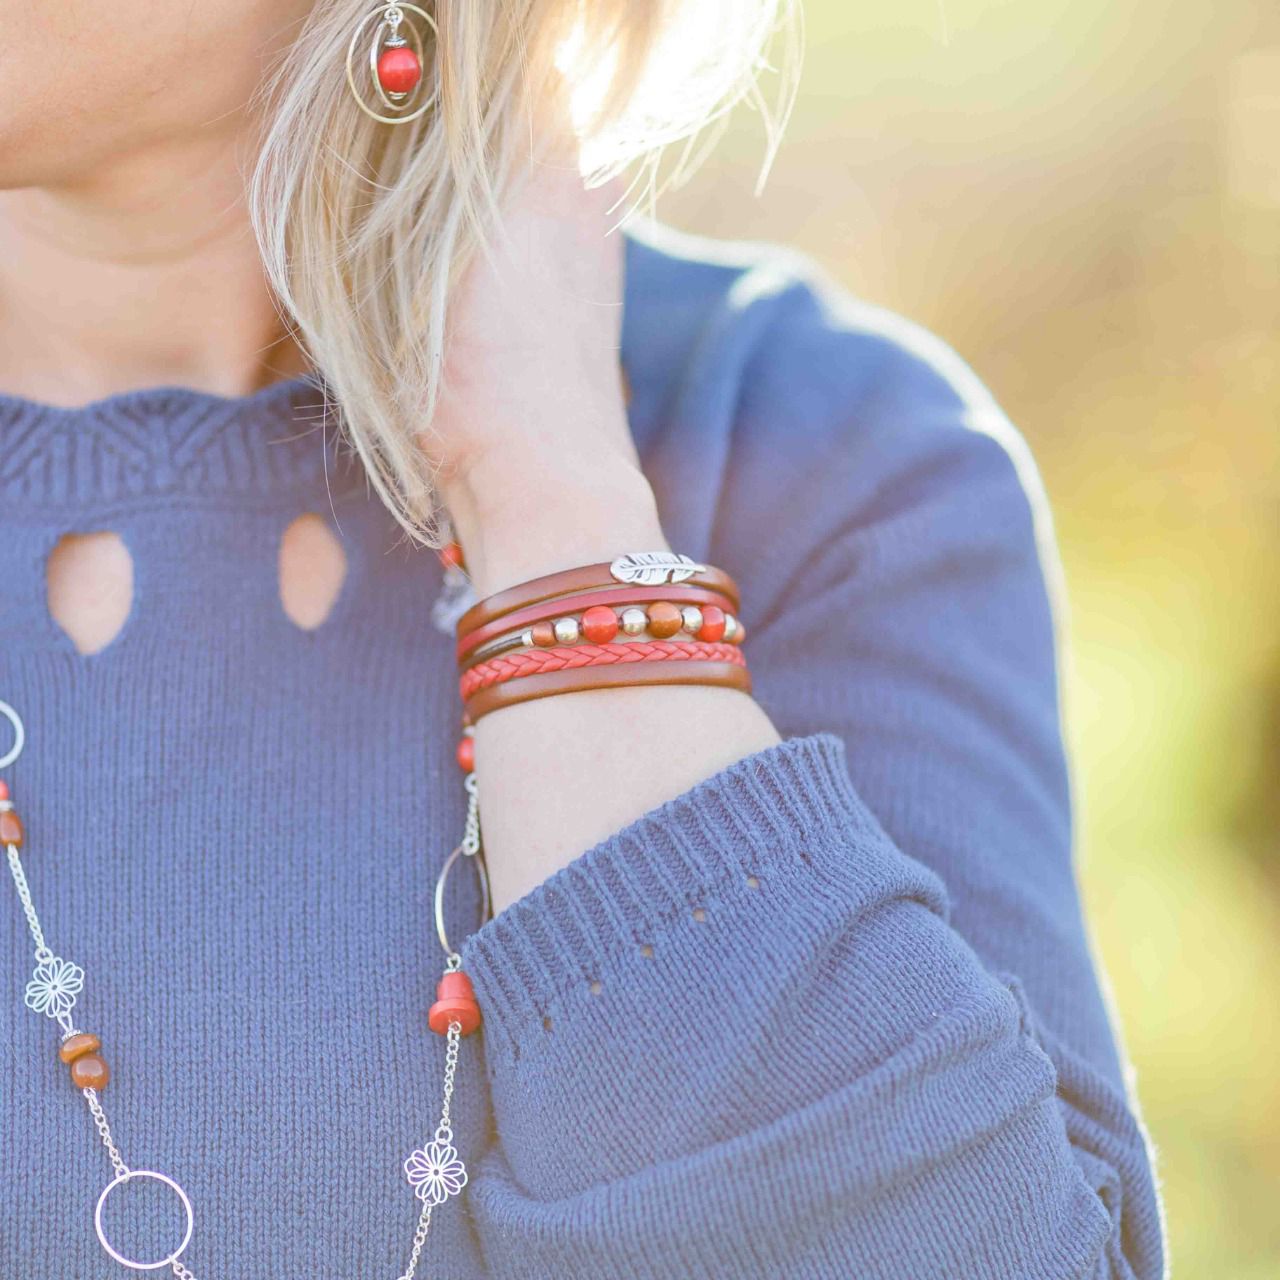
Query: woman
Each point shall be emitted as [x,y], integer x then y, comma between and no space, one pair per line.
[784,979]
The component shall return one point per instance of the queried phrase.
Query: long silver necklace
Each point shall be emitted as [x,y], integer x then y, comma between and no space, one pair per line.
[435,1171]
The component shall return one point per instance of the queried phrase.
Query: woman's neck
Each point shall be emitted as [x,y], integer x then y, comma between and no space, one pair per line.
[145,273]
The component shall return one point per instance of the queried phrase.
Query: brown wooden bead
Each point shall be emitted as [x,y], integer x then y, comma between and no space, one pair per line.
[78,1045]
[665,619]
[544,634]
[10,828]
[90,1072]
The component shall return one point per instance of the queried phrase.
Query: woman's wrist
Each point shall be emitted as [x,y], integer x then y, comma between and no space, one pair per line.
[518,522]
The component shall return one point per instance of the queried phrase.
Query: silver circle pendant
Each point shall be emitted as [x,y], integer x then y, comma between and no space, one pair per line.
[394,30]
[132,1263]
[19,735]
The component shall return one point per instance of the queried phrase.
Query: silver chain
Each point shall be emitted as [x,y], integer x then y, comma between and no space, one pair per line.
[471,830]
[444,1131]
[419,1242]
[104,1132]
[44,955]
[28,907]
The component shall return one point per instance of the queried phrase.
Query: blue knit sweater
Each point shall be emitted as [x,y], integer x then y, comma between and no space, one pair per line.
[878,1049]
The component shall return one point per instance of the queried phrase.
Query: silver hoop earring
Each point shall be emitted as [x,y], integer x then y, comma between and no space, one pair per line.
[388,84]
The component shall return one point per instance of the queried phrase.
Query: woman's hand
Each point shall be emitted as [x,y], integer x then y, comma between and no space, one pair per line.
[537,466]
[539,473]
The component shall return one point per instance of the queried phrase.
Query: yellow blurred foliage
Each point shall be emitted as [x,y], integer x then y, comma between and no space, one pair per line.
[1084,199]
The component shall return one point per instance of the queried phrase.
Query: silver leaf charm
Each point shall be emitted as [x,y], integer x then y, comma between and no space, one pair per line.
[652,568]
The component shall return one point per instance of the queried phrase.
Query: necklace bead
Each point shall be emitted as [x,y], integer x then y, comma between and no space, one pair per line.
[10,827]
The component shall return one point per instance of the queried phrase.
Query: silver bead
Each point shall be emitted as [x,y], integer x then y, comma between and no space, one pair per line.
[730,627]
[691,618]
[526,638]
[633,621]
[566,630]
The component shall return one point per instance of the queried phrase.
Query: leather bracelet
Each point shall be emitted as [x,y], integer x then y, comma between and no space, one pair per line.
[555,607]
[727,675]
[525,663]
[587,578]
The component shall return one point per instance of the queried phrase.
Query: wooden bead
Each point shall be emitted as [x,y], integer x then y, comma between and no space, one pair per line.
[11,828]
[665,619]
[90,1072]
[599,624]
[712,628]
[544,634]
[78,1045]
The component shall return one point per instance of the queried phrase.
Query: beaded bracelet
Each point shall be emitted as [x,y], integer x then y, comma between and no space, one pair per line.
[561,633]
[603,623]
[595,608]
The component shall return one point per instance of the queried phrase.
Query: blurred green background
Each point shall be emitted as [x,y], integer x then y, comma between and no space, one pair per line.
[1084,199]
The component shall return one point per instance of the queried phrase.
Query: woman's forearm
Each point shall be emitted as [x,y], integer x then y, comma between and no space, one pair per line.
[560,774]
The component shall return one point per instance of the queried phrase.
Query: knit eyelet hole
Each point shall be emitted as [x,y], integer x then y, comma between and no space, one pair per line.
[546,1023]
[89,585]
[313,567]
[699,914]
[647,951]
[596,987]
[752,882]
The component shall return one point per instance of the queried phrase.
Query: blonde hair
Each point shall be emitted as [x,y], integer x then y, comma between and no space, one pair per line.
[364,226]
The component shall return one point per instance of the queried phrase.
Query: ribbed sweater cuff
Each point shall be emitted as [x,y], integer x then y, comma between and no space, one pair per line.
[783,812]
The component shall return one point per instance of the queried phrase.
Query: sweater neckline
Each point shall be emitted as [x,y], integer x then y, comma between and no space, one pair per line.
[155,442]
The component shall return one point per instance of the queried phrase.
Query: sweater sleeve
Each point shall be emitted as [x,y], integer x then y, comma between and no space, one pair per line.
[832,1012]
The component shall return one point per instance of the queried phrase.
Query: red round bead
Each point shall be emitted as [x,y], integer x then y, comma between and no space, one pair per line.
[599,624]
[466,753]
[712,628]
[4,789]
[451,556]
[399,69]
[455,1002]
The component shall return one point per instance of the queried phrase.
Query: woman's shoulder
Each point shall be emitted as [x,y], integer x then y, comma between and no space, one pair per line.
[803,409]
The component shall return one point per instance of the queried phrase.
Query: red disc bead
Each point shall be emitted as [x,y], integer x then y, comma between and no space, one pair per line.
[712,629]
[599,624]
[455,1002]
[451,556]
[466,753]
[399,69]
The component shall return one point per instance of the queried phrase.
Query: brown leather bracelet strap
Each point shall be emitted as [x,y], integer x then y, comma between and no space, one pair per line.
[725,674]
[586,578]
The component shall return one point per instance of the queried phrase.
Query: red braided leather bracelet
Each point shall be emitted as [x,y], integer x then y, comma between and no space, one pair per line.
[529,662]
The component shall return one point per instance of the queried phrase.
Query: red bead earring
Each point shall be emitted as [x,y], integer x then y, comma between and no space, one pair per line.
[388,84]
